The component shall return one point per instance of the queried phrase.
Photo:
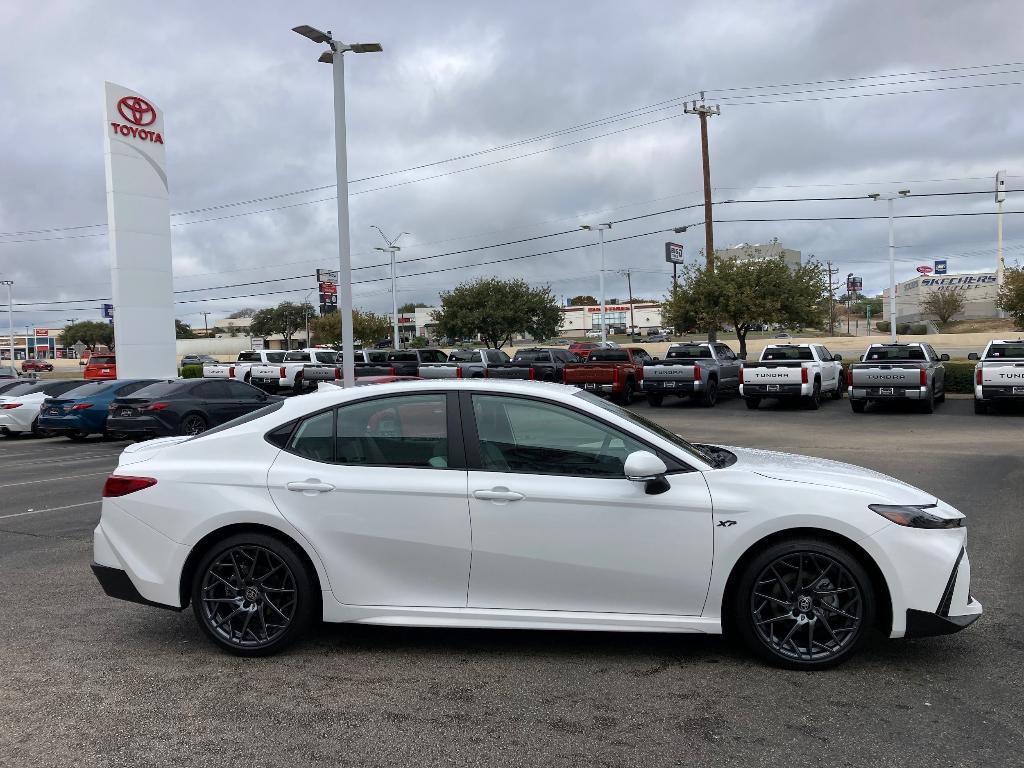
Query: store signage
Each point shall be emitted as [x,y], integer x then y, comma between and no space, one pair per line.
[42,332]
[940,266]
[674,253]
[140,113]
[966,281]
[854,284]
[924,270]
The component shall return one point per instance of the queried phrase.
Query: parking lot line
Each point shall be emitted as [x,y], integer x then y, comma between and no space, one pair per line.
[53,479]
[50,509]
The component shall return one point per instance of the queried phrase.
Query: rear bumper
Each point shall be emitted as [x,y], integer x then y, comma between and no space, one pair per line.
[65,424]
[991,392]
[669,387]
[22,423]
[116,583]
[590,386]
[898,393]
[773,390]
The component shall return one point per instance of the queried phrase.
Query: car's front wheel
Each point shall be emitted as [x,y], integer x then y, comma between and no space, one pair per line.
[252,594]
[193,424]
[803,604]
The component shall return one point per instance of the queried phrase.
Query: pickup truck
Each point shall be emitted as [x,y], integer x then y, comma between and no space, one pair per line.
[464,364]
[241,368]
[698,369]
[804,371]
[402,362]
[367,361]
[906,371]
[535,364]
[999,374]
[615,372]
[290,373]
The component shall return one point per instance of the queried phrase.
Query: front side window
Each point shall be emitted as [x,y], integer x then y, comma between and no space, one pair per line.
[528,436]
[240,391]
[824,354]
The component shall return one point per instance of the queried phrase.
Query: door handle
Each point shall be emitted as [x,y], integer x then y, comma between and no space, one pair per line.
[309,487]
[498,494]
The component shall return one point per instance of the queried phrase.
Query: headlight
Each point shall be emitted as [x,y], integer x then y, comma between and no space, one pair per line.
[916,516]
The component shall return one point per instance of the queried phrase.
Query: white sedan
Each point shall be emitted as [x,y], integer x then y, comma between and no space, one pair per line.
[19,405]
[370,505]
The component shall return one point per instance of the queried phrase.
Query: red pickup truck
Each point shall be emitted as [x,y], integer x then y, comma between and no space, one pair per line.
[615,372]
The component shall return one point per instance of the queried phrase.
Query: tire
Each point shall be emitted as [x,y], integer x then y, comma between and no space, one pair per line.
[192,424]
[77,437]
[753,403]
[840,389]
[813,401]
[297,385]
[248,377]
[858,406]
[980,407]
[709,396]
[627,393]
[928,405]
[941,398]
[231,601]
[781,615]
[655,399]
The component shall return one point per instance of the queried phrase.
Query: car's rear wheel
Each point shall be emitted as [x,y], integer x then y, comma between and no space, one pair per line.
[193,424]
[813,401]
[627,393]
[655,399]
[840,389]
[803,604]
[858,406]
[710,395]
[928,404]
[252,594]
[980,407]
[753,403]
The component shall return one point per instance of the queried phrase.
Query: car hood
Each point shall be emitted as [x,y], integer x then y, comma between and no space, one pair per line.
[139,452]
[824,472]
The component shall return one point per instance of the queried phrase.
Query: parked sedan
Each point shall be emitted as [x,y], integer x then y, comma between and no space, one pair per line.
[20,404]
[36,365]
[198,360]
[83,411]
[367,504]
[183,407]
[9,372]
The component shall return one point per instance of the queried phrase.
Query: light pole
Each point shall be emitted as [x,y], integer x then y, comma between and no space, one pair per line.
[335,57]
[600,234]
[306,306]
[392,249]
[889,197]
[1000,265]
[10,316]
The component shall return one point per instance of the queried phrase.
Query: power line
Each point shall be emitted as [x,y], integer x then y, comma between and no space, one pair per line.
[867,95]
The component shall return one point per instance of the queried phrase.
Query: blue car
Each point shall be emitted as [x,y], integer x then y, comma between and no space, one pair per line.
[83,410]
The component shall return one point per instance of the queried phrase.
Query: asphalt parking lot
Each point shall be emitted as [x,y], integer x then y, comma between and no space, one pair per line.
[87,680]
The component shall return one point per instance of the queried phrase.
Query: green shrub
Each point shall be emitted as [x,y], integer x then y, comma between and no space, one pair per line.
[418,342]
[883,326]
[191,372]
[960,376]
[918,329]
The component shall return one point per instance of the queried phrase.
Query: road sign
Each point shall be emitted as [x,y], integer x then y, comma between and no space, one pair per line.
[327,276]
[673,253]
[940,266]
[257,342]
[925,270]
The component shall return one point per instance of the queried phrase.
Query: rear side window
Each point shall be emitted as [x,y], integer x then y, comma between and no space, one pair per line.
[275,357]
[53,389]
[297,357]
[787,353]
[433,356]
[212,390]
[897,352]
[530,357]
[249,357]
[314,438]
[464,356]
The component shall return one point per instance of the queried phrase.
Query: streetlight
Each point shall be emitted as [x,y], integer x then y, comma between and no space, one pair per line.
[334,56]
[889,197]
[392,249]
[306,306]
[600,233]
[10,316]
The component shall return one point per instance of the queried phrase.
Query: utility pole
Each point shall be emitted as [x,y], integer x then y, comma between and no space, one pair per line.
[10,317]
[889,197]
[392,249]
[629,288]
[702,111]
[205,326]
[1000,265]
[600,234]
[849,301]
[832,272]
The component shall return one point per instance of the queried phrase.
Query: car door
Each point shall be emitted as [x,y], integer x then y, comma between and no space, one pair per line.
[379,489]
[729,366]
[215,399]
[830,369]
[557,526]
[244,398]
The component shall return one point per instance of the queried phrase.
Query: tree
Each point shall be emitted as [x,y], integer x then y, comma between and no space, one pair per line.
[747,294]
[583,301]
[183,330]
[496,310]
[1011,295]
[286,318]
[409,308]
[92,333]
[367,327]
[240,313]
[943,303]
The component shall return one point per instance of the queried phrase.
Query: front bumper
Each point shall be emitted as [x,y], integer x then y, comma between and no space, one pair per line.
[889,393]
[924,624]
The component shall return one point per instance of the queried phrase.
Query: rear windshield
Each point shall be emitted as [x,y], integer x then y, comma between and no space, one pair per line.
[1013,351]
[55,388]
[26,388]
[297,357]
[609,356]
[257,414]
[895,352]
[689,351]
[532,356]
[102,360]
[787,353]
[254,357]
[91,388]
[464,356]
[165,388]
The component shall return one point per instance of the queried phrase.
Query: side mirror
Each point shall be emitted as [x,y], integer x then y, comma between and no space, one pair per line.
[944,357]
[837,358]
[974,356]
[645,467]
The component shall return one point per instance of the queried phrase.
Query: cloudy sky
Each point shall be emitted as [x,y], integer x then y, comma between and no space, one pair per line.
[572,108]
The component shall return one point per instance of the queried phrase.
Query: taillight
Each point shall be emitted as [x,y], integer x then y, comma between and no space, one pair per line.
[849,377]
[231,372]
[122,485]
[696,373]
[615,377]
[977,376]
[281,372]
[337,374]
[458,372]
[81,406]
[640,373]
[10,406]
[533,375]
[741,375]
[391,371]
[924,378]
[487,373]
[803,375]
[155,407]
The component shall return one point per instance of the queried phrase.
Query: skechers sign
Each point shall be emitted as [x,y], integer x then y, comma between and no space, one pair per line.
[140,113]
[965,281]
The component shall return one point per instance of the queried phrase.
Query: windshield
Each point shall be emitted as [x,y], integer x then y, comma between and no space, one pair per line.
[894,352]
[464,356]
[787,353]
[689,351]
[1012,351]
[609,356]
[650,426]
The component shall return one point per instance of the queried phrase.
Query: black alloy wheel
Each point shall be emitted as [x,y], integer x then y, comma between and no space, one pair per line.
[840,389]
[193,424]
[252,595]
[627,393]
[804,604]
[710,395]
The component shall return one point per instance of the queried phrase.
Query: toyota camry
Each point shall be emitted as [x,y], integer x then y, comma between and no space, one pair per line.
[371,504]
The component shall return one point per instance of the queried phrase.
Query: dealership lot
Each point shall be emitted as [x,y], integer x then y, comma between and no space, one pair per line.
[89,680]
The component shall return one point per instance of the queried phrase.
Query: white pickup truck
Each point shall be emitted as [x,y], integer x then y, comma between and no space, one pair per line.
[368,362]
[241,368]
[288,374]
[805,371]
[999,374]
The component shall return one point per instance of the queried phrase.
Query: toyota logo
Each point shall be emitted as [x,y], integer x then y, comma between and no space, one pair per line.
[137,110]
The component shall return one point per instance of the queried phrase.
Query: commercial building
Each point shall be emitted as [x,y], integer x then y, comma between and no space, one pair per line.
[576,321]
[40,343]
[979,290]
[760,252]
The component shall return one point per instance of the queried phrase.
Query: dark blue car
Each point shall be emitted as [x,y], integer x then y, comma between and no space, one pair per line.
[83,411]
